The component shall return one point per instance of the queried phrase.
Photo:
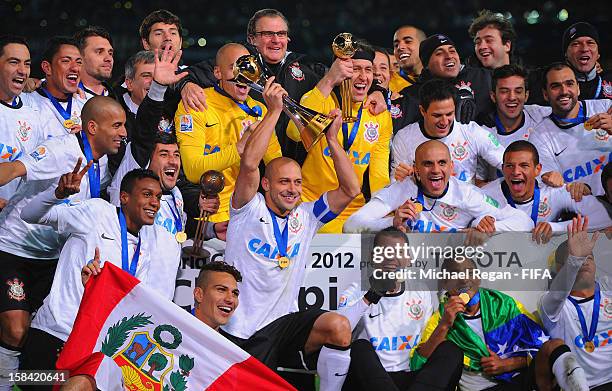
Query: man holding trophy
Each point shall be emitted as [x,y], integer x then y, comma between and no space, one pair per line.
[214,139]
[365,137]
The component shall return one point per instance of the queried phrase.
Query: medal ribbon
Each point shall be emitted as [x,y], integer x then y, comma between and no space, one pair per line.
[177,216]
[128,267]
[94,170]
[536,200]
[60,109]
[14,102]
[474,300]
[282,239]
[254,111]
[594,318]
[348,140]
[580,118]
[421,200]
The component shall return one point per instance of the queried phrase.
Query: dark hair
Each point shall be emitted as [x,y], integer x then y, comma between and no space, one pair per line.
[159,16]
[8,39]
[506,71]
[164,138]
[523,146]
[436,90]
[53,45]
[217,266]
[137,174]
[487,18]
[389,232]
[81,36]
[450,265]
[266,12]
[380,49]
[555,66]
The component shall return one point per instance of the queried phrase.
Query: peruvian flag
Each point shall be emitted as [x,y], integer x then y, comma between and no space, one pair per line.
[127,333]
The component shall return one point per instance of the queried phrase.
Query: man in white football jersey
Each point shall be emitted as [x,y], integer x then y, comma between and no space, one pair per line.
[575,139]
[114,234]
[578,308]
[520,189]
[391,316]
[20,132]
[20,129]
[96,47]
[467,142]
[511,120]
[56,99]
[29,252]
[269,236]
[435,201]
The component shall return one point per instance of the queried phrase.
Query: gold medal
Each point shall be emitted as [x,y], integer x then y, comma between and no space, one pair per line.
[588,126]
[180,236]
[68,124]
[283,262]
[418,207]
[589,346]
[464,297]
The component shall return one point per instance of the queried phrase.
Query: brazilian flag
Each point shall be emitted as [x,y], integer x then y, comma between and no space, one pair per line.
[509,331]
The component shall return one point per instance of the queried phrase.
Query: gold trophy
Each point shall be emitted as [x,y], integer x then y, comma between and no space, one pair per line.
[343,48]
[211,183]
[312,125]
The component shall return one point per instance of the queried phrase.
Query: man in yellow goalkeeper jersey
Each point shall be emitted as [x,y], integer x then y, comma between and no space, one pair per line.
[213,139]
[366,141]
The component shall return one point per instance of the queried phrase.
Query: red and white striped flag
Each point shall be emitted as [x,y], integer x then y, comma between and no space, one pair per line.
[157,345]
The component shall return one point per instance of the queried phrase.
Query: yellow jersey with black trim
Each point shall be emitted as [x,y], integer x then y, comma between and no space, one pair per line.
[398,83]
[370,149]
[207,141]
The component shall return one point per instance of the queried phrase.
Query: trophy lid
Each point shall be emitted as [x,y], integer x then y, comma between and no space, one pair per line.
[342,45]
[212,182]
[246,67]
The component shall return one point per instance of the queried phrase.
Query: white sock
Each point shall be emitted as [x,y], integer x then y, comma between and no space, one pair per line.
[569,374]
[332,367]
[9,361]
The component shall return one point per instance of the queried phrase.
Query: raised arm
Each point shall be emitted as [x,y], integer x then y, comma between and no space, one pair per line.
[257,145]
[579,247]
[348,183]
[37,210]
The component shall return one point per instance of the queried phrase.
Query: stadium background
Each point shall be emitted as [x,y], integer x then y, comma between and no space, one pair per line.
[209,24]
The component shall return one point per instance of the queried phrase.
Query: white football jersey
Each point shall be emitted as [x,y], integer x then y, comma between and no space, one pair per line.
[566,326]
[49,116]
[393,325]
[578,154]
[466,142]
[553,201]
[170,211]
[93,223]
[532,116]
[460,204]
[267,290]
[44,165]
[20,131]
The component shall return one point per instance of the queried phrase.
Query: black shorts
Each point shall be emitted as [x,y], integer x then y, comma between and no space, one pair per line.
[40,351]
[524,380]
[25,282]
[281,343]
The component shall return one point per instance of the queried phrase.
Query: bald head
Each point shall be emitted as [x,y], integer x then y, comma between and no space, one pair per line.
[98,107]
[277,164]
[229,53]
[428,148]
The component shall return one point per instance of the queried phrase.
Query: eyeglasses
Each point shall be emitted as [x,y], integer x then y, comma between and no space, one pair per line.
[270,34]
